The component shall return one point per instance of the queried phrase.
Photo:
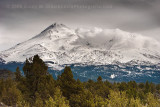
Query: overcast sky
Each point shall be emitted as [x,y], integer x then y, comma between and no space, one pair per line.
[23,19]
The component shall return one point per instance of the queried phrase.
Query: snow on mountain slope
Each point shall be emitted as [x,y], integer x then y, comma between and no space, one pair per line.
[63,45]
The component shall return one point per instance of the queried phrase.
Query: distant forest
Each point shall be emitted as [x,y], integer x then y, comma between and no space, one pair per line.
[37,88]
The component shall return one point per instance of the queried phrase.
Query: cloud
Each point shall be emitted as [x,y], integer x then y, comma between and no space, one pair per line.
[113,39]
[20,24]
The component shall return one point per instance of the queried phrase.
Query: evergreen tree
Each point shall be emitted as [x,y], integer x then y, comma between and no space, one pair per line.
[38,80]
[117,99]
[135,103]
[100,88]
[84,99]
[100,102]
[123,86]
[147,87]
[99,79]
[10,94]
[38,101]
[18,74]
[37,89]
[68,84]
[58,100]
[152,101]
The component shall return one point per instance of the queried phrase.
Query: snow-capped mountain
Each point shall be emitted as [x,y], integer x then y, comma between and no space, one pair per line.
[63,45]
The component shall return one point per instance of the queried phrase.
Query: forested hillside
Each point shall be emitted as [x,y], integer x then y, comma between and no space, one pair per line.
[35,87]
[4,74]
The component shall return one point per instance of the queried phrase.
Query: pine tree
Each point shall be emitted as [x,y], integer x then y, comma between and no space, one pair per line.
[67,83]
[152,101]
[58,100]
[135,103]
[99,79]
[147,87]
[38,80]
[38,101]
[84,99]
[100,102]
[10,94]
[100,88]
[117,99]
[18,74]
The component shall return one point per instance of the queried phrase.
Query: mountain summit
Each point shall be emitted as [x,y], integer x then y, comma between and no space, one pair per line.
[55,26]
[63,45]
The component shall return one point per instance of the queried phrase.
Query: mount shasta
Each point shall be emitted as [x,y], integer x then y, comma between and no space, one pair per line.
[112,53]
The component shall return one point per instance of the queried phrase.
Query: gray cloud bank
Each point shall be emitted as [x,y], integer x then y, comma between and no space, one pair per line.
[23,19]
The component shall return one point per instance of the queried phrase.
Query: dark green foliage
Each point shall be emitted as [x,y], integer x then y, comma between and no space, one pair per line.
[18,74]
[4,74]
[123,86]
[68,84]
[99,79]
[38,81]
[10,95]
[101,89]
[84,99]
[147,87]
[70,87]
[37,88]
[141,85]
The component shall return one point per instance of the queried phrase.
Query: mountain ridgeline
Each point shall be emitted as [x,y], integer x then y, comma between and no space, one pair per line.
[95,46]
[114,54]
